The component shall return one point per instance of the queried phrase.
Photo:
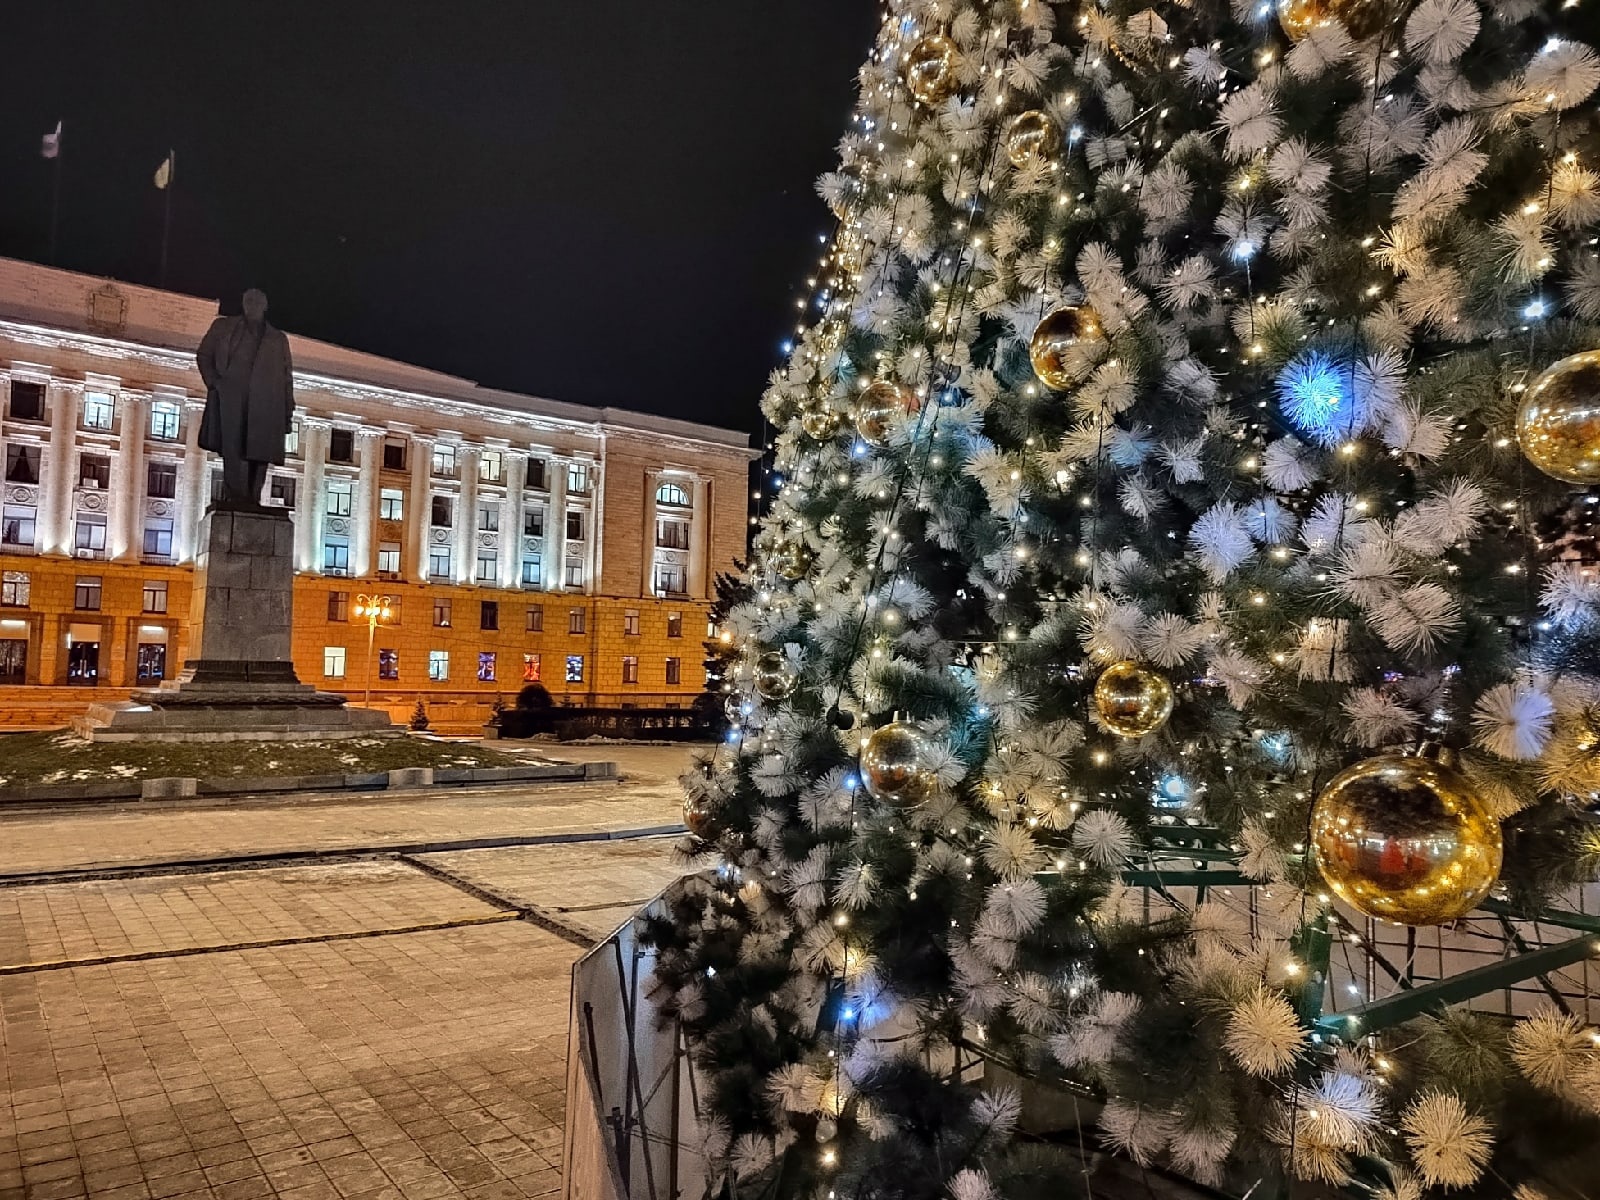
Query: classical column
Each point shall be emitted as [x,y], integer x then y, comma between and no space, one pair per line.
[516,470]
[699,529]
[311,502]
[652,481]
[419,507]
[127,481]
[466,552]
[194,489]
[364,507]
[555,528]
[594,543]
[57,482]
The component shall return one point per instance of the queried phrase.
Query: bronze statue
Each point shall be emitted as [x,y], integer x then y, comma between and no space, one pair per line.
[249,398]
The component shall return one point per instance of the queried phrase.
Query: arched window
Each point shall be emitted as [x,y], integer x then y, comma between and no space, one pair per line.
[671,493]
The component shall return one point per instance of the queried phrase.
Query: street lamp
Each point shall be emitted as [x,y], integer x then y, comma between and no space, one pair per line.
[376,610]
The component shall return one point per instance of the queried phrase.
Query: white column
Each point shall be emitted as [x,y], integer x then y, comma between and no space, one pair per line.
[652,481]
[516,472]
[194,487]
[593,544]
[419,507]
[364,507]
[699,528]
[311,502]
[57,481]
[555,528]
[126,517]
[466,550]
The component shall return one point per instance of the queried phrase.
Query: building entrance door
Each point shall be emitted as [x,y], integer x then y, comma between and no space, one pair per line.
[13,660]
[83,662]
[152,664]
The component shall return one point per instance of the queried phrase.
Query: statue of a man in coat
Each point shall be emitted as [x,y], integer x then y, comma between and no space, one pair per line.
[249,398]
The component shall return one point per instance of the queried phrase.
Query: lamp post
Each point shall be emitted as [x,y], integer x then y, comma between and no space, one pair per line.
[376,610]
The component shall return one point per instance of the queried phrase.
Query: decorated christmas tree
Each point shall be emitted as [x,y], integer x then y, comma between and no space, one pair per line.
[1161,681]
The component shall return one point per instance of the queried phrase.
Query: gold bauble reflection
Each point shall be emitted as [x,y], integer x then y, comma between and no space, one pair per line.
[775,677]
[699,821]
[1405,839]
[1558,422]
[931,66]
[1053,339]
[1362,18]
[792,560]
[894,764]
[879,407]
[820,424]
[1030,138]
[1132,700]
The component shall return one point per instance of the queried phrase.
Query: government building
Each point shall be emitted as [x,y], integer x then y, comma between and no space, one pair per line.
[510,539]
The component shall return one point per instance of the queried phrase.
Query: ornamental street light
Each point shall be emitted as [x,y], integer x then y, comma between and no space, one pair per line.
[376,609]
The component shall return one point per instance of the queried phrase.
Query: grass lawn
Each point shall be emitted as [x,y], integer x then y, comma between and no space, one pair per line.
[59,756]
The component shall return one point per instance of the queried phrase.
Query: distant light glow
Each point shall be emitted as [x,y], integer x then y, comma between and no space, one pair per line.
[1244,251]
[1536,309]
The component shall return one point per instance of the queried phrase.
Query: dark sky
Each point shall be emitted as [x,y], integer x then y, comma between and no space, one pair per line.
[599,201]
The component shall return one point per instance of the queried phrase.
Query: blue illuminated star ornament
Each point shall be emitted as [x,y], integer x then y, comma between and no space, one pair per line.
[1319,396]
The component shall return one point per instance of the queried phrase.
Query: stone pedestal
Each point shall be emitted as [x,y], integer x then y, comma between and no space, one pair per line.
[242,683]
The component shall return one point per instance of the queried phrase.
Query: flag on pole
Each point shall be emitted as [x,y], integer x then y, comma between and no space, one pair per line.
[165,172]
[50,144]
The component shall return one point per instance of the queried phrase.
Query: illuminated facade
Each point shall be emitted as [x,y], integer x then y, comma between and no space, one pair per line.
[517,538]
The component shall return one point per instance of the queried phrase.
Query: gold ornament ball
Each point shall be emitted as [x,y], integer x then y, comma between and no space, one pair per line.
[699,820]
[894,764]
[1362,18]
[1053,339]
[820,424]
[931,68]
[1558,422]
[1030,138]
[1405,839]
[792,560]
[775,677]
[880,406]
[1132,700]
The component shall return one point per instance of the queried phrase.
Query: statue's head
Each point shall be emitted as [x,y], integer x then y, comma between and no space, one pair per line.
[255,305]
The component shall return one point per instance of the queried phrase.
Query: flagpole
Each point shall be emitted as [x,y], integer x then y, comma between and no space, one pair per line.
[55,202]
[166,219]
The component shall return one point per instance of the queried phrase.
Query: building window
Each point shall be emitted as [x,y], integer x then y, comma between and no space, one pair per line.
[530,668]
[94,471]
[336,557]
[388,558]
[488,566]
[574,668]
[338,606]
[441,512]
[535,618]
[86,593]
[161,480]
[574,573]
[98,410]
[576,619]
[672,494]
[574,527]
[151,663]
[672,533]
[489,614]
[89,535]
[577,478]
[491,466]
[444,460]
[489,516]
[158,537]
[291,444]
[533,521]
[342,446]
[339,493]
[394,454]
[532,570]
[27,400]
[16,528]
[15,587]
[441,612]
[391,504]
[669,579]
[388,664]
[281,488]
[630,623]
[674,671]
[674,624]
[486,666]
[22,463]
[630,668]
[438,562]
[155,595]
[164,415]
[333,662]
[438,665]
[536,475]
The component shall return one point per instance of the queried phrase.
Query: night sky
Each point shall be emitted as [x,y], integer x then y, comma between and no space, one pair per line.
[598,201]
